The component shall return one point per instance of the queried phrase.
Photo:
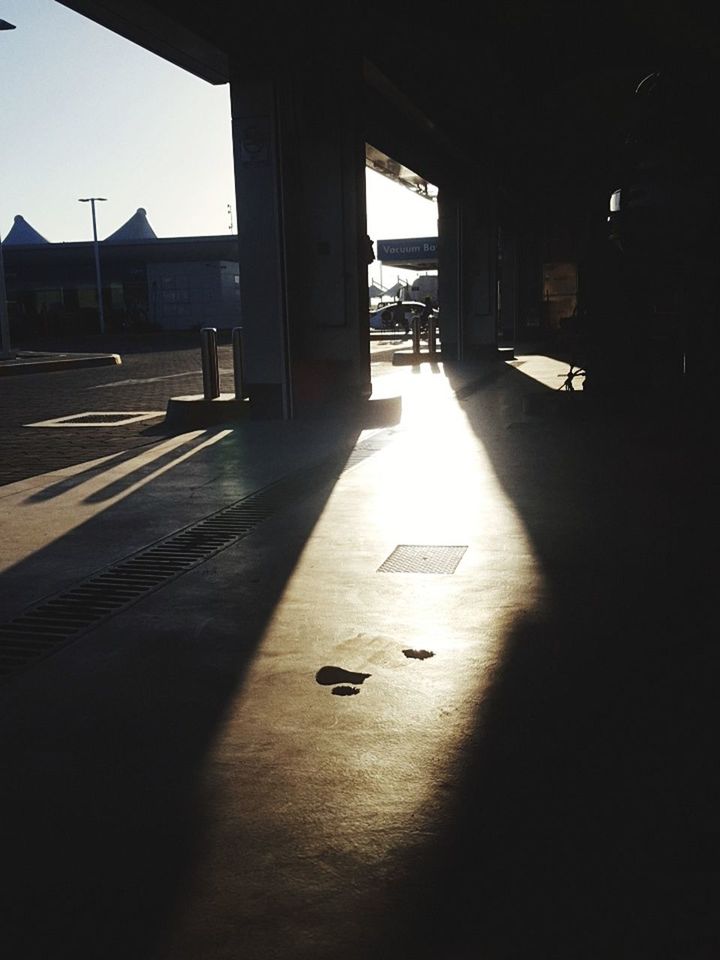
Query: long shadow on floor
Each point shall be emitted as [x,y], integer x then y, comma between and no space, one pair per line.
[102,748]
[585,824]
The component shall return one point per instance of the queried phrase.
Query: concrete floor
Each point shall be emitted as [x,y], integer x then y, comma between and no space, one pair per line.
[178,785]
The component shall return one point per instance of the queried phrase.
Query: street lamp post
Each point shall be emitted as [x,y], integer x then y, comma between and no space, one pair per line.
[91,201]
[5,353]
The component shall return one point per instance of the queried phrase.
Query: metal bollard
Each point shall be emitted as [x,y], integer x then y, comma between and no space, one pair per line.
[416,333]
[238,371]
[210,369]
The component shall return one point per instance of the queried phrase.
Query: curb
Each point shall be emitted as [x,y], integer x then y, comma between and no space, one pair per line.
[195,412]
[10,368]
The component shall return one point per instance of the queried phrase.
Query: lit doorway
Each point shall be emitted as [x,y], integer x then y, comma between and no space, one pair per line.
[403,277]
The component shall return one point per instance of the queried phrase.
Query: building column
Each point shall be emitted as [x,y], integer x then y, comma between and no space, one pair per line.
[467,269]
[300,185]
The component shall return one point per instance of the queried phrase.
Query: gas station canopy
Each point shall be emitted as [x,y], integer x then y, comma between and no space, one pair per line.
[381,163]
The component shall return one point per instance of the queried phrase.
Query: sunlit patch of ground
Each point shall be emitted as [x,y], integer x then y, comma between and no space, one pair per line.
[546,370]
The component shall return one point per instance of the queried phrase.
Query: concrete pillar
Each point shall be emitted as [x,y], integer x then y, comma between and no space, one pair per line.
[261,244]
[449,275]
[508,277]
[300,184]
[467,268]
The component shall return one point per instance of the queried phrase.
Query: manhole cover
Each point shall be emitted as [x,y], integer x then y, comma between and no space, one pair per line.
[411,558]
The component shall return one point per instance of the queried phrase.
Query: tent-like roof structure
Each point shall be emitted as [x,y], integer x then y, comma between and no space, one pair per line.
[136,228]
[22,233]
[398,290]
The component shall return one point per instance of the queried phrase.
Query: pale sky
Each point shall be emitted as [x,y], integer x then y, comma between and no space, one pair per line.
[395,213]
[87,113]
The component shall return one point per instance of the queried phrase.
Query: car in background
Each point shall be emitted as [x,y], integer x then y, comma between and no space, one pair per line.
[389,316]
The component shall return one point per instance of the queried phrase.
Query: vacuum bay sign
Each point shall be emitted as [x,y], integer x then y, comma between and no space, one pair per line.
[417,253]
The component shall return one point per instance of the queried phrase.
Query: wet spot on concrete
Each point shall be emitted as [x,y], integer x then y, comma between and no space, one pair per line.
[418,654]
[345,691]
[329,676]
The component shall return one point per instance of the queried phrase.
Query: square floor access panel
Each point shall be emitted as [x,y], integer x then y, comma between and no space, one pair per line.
[418,558]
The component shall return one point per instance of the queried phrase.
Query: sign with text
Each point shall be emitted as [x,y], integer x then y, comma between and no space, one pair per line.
[393,251]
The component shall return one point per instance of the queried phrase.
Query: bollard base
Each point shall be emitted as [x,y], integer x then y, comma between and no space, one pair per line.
[193,412]
[409,357]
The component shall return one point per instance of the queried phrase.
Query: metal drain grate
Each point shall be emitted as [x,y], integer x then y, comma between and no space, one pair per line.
[58,620]
[365,450]
[409,558]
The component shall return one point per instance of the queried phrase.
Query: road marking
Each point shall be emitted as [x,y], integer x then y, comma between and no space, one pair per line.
[167,376]
[99,418]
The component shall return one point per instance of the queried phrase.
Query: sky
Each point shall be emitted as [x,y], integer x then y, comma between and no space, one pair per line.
[87,113]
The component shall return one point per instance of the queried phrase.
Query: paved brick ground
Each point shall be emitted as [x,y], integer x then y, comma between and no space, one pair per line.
[154,368]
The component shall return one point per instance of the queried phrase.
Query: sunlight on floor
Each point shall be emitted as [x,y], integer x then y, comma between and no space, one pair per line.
[44,509]
[546,370]
[436,484]
[405,730]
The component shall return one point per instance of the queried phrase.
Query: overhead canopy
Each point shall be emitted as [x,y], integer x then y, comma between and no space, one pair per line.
[533,91]
[381,163]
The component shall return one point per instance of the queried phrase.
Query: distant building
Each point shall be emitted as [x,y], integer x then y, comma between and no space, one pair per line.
[176,283]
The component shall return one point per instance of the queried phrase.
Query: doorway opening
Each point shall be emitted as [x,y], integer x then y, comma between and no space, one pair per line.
[160,254]
[403,291]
